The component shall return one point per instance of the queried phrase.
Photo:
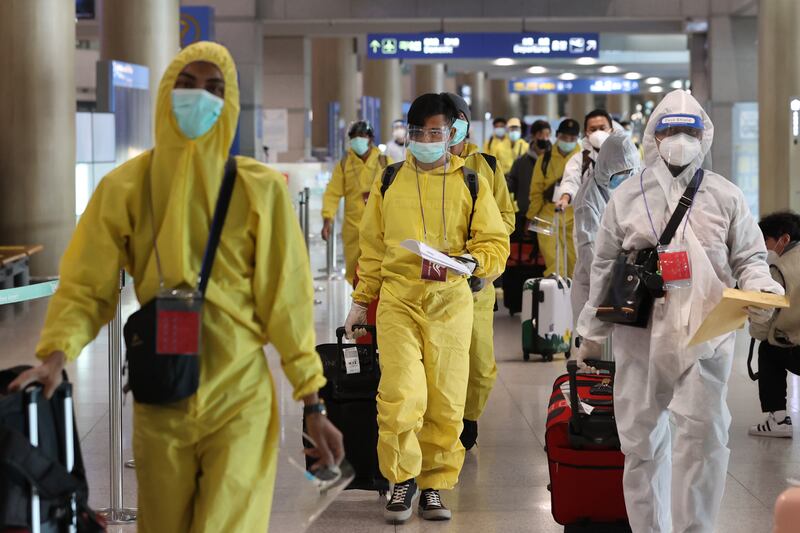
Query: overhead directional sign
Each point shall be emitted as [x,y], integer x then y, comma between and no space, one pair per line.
[481,45]
[555,85]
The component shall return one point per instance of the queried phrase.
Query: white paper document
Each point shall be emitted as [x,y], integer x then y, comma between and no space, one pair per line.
[435,256]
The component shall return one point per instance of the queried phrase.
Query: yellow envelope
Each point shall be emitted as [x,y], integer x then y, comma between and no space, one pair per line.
[730,315]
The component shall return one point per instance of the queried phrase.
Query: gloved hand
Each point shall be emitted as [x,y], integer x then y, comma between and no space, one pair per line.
[759,315]
[588,350]
[357,315]
[563,202]
[468,261]
[476,284]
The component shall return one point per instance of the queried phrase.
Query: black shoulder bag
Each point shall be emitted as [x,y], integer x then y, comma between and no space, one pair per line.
[163,337]
[636,276]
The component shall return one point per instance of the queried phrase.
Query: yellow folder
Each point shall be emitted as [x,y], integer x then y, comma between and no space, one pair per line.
[730,314]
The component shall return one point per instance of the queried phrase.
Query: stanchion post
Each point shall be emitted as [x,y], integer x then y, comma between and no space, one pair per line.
[306,216]
[116,513]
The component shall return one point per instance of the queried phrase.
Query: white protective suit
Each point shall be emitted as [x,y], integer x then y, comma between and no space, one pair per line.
[676,487]
[617,154]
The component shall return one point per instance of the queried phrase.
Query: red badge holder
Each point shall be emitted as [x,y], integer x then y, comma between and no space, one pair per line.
[675,267]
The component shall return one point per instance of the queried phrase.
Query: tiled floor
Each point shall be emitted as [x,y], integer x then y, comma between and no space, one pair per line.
[503,483]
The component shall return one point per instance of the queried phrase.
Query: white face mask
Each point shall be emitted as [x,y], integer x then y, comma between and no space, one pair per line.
[772,257]
[680,150]
[597,139]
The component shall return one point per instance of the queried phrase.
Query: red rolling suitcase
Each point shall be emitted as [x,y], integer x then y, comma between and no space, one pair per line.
[583,452]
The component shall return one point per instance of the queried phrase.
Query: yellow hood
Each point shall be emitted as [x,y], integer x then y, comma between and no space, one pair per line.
[177,158]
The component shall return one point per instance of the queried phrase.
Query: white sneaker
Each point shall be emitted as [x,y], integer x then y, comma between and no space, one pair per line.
[773,428]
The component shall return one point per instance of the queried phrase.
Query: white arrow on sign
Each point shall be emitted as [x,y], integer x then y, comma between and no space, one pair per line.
[375,45]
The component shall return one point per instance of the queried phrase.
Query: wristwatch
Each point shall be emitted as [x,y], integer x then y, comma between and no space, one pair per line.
[315,408]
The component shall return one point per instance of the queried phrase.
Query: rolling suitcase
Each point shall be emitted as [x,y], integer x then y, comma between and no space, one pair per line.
[43,485]
[524,262]
[547,309]
[583,452]
[353,374]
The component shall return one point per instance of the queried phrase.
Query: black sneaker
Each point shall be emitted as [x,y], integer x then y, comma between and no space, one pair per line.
[400,506]
[469,435]
[431,506]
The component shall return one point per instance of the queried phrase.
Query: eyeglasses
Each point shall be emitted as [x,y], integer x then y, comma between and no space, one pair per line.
[431,135]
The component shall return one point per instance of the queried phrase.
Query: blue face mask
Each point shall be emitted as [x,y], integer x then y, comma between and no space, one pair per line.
[566,147]
[426,152]
[500,132]
[617,179]
[196,110]
[514,135]
[461,127]
[360,145]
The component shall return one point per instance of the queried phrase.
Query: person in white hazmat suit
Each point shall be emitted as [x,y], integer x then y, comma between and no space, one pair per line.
[675,486]
[617,160]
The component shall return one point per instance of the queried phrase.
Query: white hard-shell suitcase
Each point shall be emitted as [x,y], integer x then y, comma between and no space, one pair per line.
[546,306]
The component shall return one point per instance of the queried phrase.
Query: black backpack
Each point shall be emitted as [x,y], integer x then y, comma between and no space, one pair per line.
[470,179]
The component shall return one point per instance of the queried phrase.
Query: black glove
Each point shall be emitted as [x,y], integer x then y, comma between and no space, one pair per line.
[476,284]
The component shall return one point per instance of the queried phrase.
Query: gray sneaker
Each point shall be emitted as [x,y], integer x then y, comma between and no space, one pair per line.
[401,504]
[431,506]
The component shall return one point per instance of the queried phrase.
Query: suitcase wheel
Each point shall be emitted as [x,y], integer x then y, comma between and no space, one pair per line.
[526,355]
[547,357]
[568,354]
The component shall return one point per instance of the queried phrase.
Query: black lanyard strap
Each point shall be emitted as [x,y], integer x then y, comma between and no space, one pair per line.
[220,212]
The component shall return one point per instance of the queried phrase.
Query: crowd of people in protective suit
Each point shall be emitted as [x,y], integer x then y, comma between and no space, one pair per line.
[208,463]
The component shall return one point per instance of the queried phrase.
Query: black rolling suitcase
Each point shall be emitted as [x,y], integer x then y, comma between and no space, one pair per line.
[523,264]
[43,485]
[353,375]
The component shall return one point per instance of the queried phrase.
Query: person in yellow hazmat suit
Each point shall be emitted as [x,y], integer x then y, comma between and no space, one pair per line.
[547,174]
[352,179]
[206,463]
[424,317]
[482,366]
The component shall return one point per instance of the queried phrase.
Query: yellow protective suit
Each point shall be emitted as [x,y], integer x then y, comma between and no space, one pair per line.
[505,151]
[424,326]
[206,463]
[352,179]
[542,206]
[482,366]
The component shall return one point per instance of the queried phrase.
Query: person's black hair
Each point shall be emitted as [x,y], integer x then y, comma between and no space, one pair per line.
[361,127]
[624,123]
[429,105]
[497,120]
[540,125]
[783,222]
[598,113]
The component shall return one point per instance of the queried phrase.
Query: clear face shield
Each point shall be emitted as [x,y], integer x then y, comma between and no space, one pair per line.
[428,145]
[312,492]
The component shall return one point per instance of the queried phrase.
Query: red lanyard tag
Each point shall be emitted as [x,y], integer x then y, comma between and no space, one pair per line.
[178,324]
[433,271]
[676,269]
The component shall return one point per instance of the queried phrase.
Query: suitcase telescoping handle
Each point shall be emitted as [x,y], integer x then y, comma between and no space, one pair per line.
[372,330]
[572,369]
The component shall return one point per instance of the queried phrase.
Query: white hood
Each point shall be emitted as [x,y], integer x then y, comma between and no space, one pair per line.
[678,101]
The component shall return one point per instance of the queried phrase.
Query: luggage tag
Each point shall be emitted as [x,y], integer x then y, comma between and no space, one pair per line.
[178,322]
[675,267]
[433,271]
[351,363]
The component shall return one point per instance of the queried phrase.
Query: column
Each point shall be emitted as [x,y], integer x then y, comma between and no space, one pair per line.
[145,32]
[579,105]
[544,104]
[382,79]
[500,99]
[334,78]
[515,105]
[477,84]
[428,78]
[619,105]
[287,85]
[698,67]
[37,140]
[779,75]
